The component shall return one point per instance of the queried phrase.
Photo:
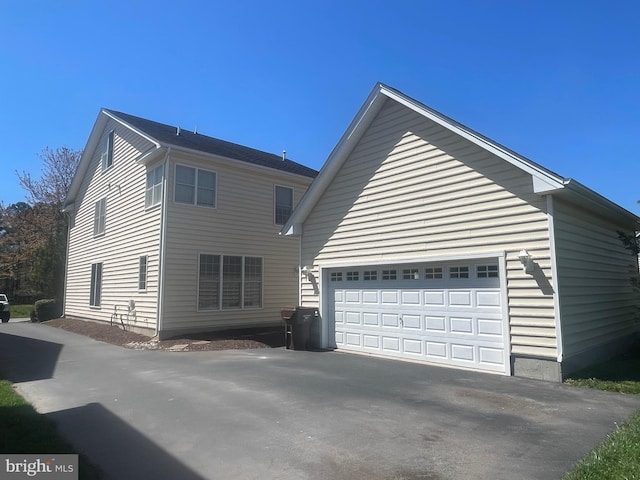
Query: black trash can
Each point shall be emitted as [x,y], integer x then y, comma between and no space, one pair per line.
[298,322]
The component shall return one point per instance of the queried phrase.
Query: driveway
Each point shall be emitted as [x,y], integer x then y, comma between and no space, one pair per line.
[281,414]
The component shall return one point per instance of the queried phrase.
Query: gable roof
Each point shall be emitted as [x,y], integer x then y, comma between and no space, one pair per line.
[544,180]
[165,136]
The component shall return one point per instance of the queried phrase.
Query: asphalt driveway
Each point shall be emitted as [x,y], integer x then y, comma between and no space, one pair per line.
[280,414]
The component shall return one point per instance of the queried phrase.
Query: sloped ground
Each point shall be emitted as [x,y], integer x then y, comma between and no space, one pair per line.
[222,340]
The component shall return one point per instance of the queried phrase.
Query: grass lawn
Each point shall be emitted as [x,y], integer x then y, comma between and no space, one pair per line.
[21,311]
[618,457]
[23,430]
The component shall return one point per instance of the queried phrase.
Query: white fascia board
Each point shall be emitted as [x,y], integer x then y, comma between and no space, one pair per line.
[336,158]
[544,181]
[139,132]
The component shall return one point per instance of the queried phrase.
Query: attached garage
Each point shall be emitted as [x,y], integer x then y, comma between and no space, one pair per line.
[446,312]
[423,240]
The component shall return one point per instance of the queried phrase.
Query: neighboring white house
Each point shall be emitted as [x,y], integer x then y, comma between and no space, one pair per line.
[178,232]
[426,241]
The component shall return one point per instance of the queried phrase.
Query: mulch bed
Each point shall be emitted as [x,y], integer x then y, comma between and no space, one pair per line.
[221,340]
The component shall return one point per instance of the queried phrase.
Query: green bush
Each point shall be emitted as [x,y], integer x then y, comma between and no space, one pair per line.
[46,309]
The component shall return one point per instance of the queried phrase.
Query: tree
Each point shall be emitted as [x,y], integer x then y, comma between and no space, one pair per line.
[33,235]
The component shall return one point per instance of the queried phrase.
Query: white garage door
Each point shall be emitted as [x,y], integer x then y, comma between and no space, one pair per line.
[449,313]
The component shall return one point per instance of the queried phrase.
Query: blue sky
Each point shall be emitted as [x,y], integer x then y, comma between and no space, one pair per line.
[556,81]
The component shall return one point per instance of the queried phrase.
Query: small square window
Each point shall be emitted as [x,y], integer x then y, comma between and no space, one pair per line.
[353,276]
[336,276]
[458,272]
[431,273]
[370,275]
[410,274]
[389,274]
[487,271]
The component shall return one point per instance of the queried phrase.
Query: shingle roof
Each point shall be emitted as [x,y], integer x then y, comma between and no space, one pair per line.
[167,135]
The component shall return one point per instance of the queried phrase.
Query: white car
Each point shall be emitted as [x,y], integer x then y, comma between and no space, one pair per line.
[4,308]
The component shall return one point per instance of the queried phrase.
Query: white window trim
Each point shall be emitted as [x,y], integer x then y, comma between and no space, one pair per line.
[146,272]
[153,187]
[275,205]
[97,215]
[220,308]
[195,193]
[106,150]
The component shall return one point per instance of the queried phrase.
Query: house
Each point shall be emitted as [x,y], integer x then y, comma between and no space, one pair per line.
[172,231]
[423,240]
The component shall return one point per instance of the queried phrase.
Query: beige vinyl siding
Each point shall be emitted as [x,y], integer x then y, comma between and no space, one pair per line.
[412,189]
[130,232]
[242,224]
[594,271]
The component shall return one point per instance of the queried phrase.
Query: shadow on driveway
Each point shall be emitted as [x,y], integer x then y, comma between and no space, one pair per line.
[24,359]
[118,450]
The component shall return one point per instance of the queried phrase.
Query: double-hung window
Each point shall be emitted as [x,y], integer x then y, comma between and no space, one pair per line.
[283,204]
[229,282]
[106,151]
[100,216]
[96,285]
[194,186]
[142,272]
[153,195]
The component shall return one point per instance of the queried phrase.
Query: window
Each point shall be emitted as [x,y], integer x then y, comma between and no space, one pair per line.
[106,149]
[458,272]
[153,195]
[194,186]
[100,216]
[410,274]
[229,282]
[209,282]
[142,273]
[389,275]
[336,276]
[96,285]
[283,204]
[487,271]
[431,273]
[353,276]
[370,275]
[252,282]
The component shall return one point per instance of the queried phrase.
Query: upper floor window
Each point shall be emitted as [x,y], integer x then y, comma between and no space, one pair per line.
[195,186]
[100,216]
[153,194]
[283,204]
[106,151]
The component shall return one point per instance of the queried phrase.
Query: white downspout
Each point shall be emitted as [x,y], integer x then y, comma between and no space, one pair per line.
[163,237]
[554,278]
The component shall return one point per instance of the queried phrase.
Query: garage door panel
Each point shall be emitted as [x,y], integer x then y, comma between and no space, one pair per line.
[391,344]
[462,352]
[445,320]
[371,319]
[390,320]
[461,325]
[389,297]
[410,298]
[434,298]
[459,298]
[411,322]
[436,324]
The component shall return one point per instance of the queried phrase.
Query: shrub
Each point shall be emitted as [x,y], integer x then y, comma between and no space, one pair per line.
[46,309]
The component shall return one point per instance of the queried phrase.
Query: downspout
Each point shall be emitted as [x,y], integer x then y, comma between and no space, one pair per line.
[554,279]
[66,266]
[163,239]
